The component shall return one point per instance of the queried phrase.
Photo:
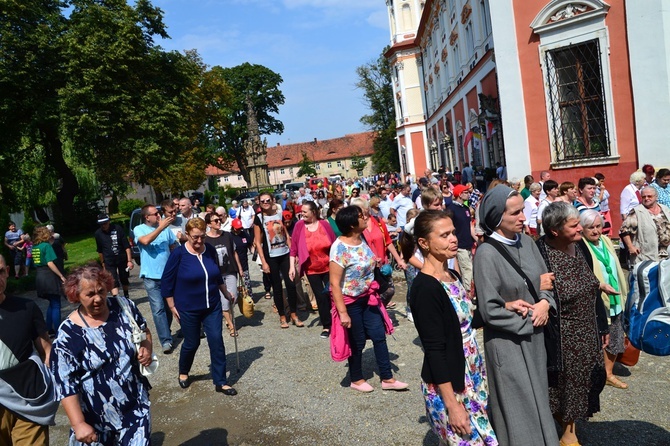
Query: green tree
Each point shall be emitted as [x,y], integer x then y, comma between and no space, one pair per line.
[90,90]
[374,78]
[31,73]
[358,163]
[306,166]
[261,86]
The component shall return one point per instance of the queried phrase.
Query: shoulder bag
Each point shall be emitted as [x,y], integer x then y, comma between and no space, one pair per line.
[137,337]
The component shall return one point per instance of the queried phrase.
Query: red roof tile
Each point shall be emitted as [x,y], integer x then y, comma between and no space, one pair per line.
[326,150]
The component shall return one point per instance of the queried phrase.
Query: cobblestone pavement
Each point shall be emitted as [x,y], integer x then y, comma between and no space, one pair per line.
[292,393]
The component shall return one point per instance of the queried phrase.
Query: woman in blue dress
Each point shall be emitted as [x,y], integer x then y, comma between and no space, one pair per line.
[453,375]
[95,365]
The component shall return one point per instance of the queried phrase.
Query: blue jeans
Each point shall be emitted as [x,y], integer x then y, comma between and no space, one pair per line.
[53,311]
[367,322]
[159,309]
[211,321]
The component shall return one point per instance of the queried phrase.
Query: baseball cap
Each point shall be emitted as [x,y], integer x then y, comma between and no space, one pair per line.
[103,218]
[459,189]
[236,223]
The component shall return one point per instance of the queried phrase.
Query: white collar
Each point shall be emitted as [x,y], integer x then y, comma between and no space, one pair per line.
[505,240]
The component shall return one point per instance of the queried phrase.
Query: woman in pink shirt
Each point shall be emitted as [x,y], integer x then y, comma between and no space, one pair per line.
[312,239]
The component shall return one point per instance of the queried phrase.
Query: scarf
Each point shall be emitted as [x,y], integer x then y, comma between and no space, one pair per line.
[604,257]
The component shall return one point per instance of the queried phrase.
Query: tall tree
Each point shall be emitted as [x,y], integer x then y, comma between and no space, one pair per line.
[306,166]
[90,89]
[374,78]
[31,73]
[261,86]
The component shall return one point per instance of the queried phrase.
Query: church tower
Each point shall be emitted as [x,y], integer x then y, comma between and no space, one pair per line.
[404,57]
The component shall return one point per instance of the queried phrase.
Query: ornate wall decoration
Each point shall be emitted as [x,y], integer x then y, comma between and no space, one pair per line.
[568,12]
[465,13]
[453,37]
[437,68]
[430,79]
[445,53]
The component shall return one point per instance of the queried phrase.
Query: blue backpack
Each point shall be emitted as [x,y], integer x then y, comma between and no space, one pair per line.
[647,314]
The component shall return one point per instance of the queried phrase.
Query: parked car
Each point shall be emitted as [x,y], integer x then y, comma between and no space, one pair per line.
[246,196]
[293,186]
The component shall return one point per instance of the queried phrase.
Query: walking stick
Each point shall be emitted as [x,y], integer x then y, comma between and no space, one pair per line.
[232,316]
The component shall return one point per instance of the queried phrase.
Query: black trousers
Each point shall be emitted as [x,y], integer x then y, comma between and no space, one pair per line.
[318,283]
[279,267]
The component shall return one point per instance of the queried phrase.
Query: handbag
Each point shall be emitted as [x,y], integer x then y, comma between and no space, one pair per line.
[552,333]
[630,355]
[382,280]
[244,301]
[137,337]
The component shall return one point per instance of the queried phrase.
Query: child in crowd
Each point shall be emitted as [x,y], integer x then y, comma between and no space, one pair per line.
[28,247]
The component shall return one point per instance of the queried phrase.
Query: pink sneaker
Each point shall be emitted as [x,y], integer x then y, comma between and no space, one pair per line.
[395,385]
[363,387]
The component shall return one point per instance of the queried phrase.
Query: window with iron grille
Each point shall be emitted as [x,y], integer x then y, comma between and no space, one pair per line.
[577,102]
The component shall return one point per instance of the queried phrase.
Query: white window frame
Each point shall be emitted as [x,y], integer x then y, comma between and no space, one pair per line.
[578,28]
[282,171]
[329,165]
[339,164]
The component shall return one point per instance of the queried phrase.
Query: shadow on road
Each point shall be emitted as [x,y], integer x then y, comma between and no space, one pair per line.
[207,437]
[622,433]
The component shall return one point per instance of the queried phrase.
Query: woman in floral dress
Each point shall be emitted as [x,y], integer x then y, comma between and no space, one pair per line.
[96,368]
[575,393]
[453,374]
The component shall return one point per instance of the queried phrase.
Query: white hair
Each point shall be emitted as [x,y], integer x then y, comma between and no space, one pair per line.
[637,176]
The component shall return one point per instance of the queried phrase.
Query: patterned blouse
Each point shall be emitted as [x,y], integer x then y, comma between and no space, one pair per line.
[99,364]
[630,224]
[359,266]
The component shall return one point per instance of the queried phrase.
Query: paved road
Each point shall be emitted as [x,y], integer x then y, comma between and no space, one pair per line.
[292,393]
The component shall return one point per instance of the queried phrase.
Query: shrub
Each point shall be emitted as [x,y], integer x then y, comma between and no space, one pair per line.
[128,206]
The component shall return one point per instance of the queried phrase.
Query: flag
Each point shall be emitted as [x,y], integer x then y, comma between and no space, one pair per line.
[468,137]
[490,130]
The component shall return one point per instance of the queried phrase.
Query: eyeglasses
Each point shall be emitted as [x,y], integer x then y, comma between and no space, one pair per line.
[215,220]
[266,201]
[197,237]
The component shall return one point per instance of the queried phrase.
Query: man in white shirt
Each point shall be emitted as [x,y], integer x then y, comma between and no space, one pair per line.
[384,202]
[544,176]
[303,196]
[401,204]
[630,195]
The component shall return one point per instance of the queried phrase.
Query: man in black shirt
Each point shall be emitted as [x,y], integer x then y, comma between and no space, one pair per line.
[114,251]
[462,219]
[23,374]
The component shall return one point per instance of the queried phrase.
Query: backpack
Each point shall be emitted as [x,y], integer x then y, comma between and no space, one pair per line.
[647,313]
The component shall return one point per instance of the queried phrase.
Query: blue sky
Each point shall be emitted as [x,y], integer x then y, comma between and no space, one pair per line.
[315,45]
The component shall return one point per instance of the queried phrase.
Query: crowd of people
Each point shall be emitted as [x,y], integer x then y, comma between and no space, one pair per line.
[529,262]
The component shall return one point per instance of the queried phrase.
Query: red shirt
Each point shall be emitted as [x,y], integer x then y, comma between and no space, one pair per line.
[318,246]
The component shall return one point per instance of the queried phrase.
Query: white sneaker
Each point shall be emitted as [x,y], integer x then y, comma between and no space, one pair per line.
[410,317]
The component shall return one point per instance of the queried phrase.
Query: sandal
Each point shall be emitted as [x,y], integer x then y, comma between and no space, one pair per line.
[297,322]
[283,323]
[268,296]
[232,331]
[616,382]
[390,305]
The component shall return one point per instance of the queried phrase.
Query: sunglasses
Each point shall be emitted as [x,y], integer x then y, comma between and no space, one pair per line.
[215,220]
[156,214]
[266,201]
